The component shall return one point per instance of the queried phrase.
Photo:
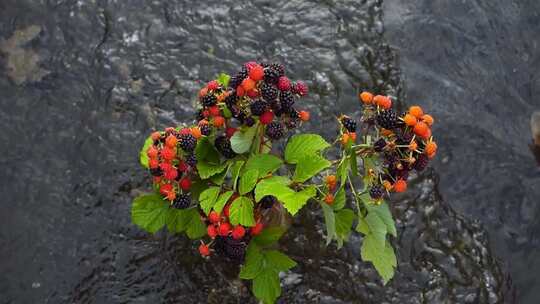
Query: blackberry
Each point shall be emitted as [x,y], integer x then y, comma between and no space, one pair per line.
[379,145]
[209,100]
[155,171]
[421,162]
[279,68]
[294,114]
[287,99]
[399,174]
[182,201]
[231,99]
[205,129]
[223,145]
[269,92]
[403,137]
[274,130]
[268,201]
[271,76]
[387,119]
[188,142]
[235,81]
[191,160]
[258,107]
[200,115]
[291,124]
[348,123]
[277,108]
[230,248]
[243,73]
[376,192]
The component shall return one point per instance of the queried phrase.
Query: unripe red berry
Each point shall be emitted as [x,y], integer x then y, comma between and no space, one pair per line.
[219,121]
[156,136]
[266,117]
[214,111]
[257,229]
[224,229]
[213,85]
[182,166]
[168,153]
[238,232]
[226,210]
[256,72]
[284,84]
[152,152]
[253,93]
[214,217]
[185,184]
[171,174]
[212,231]
[204,250]
[230,131]
[304,115]
[153,163]
[165,189]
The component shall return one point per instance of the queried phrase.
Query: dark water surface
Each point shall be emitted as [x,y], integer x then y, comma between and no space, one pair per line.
[82,83]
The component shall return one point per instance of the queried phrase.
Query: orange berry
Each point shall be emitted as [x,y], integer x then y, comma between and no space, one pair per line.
[387,185]
[431,149]
[329,199]
[171,195]
[203,92]
[155,136]
[400,186]
[240,91]
[421,129]
[203,122]
[416,111]
[304,115]
[153,163]
[366,97]
[219,121]
[386,132]
[385,103]
[428,119]
[152,152]
[330,179]
[221,97]
[256,72]
[377,99]
[196,132]
[410,120]
[352,135]
[345,138]
[248,84]
[171,141]
[204,250]
[413,145]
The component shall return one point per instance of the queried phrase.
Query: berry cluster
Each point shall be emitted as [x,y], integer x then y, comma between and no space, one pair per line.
[404,142]
[172,163]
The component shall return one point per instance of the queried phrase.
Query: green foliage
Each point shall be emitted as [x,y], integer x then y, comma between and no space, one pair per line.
[208,162]
[269,236]
[222,200]
[149,211]
[248,181]
[208,198]
[241,140]
[304,144]
[236,167]
[241,212]
[339,199]
[381,256]
[330,222]
[278,187]
[223,79]
[177,220]
[308,166]
[264,163]
[143,157]
[195,226]
[344,222]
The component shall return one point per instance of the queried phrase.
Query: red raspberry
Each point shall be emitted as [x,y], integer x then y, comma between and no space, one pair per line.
[182,166]
[153,163]
[266,117]
[185,184]
[165,189]
[214,111]
[212,231]
[213,85]
[256,72]
[300,88]
[214,217]
[171,174]
[238,232]
[257,229]
[204,250]
[230,131]
[152,152]
[224,229]
[253,93]
[165,166]
[284,84]
[168,153]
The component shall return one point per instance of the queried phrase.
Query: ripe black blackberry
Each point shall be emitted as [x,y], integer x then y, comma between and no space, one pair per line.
[258,107]
[230,248]
[279,68]
[287,100]
[187,142]
[271,76]
[376,192]
[182,201]
[403,137]
[205,129]
[274,130]
[191,160]
[155,171]
[235,81]
[421,162]
[209,100]
[223,145]
[348,123]
[379,145]
[277,108]
[231,99]
[387,119]
[269,92]
[267,201]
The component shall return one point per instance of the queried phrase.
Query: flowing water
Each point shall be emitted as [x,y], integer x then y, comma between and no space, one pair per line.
[83,82]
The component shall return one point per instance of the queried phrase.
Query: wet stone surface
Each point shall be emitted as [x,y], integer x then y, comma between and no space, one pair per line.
[115,70]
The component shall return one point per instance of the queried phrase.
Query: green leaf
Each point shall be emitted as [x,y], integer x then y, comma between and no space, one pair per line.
[177,220]
[264,163]
[354,163]
[330,222]
[342,171]
[220,177]
[237,166]
[266,286]
[222,201]
[344,222]
[208,198]
[377,228]
[197,187]
[241,140]
[382,257]
[248,181]
[253,263]
[303,144]
[308,166]
[143,157]
[223,79]
[241,212]
[149,211]
[339,199]
[275,185]
[269,236]
[362,226]
[278,260]
[383,211]
[206,152]
[207,170]
[196,227]
[295,201]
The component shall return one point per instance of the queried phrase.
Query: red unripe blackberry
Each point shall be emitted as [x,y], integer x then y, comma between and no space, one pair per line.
[165,188]
[171,141]
[227,208]
[182,201]
[164,166]
[185,184]
[153,163]
[171,174]
[156,136]
[274,130]
[214,110]
[248,84]
[266,117]
[212,231]
[213,85]
[256,72]
[257,229]
[300,88]
[304,115]
[253,93]
[182,166]
[168,153]
[224,229]
[152,152]
[238,232]
[204,250]
[219,121]
[214,217]
[284,84]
